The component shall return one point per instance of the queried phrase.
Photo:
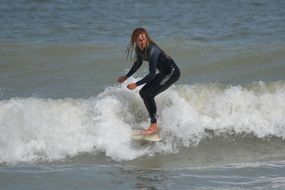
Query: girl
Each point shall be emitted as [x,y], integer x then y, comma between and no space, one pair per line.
[154,82]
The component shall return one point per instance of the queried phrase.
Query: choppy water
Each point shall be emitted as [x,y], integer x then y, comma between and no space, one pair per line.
[65,123]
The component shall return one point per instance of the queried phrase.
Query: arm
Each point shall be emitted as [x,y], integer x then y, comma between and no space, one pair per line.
[134,68]
[137,64]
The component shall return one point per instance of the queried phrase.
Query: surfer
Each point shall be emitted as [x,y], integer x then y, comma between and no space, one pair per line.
[154,82]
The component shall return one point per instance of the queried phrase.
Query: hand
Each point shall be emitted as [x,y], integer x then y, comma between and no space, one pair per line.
[132,86]
[122,79]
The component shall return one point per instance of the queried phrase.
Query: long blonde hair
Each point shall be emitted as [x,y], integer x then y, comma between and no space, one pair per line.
[132,43]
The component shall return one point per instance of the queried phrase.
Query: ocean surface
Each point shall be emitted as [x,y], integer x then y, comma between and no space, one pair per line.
[65,123]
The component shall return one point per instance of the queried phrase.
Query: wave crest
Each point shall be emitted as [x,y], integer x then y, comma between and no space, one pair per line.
[34,129]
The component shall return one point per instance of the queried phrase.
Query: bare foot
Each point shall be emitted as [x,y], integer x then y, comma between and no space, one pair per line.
[151,130]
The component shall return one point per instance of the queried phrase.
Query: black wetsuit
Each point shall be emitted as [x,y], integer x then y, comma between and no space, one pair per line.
[155,82]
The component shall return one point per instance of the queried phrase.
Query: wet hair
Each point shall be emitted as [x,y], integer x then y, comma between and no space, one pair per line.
[132,43]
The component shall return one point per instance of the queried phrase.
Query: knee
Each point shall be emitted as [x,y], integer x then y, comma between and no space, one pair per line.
[145,94]
[142,93]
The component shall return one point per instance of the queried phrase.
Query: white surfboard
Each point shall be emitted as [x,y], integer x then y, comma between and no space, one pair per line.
[138,135]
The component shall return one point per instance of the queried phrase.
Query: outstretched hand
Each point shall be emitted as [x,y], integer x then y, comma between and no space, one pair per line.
[122,79]
[132,86]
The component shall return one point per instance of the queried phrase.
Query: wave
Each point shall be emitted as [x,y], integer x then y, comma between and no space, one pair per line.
[41,129]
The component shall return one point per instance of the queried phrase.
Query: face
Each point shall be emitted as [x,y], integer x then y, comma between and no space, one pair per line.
[141,41]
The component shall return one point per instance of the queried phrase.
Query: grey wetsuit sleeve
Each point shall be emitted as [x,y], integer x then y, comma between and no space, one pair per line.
[137,64]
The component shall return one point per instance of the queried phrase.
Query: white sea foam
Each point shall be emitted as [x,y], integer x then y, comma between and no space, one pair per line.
[34,129]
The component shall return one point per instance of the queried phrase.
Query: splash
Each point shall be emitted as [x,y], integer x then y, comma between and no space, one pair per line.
[36,129]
